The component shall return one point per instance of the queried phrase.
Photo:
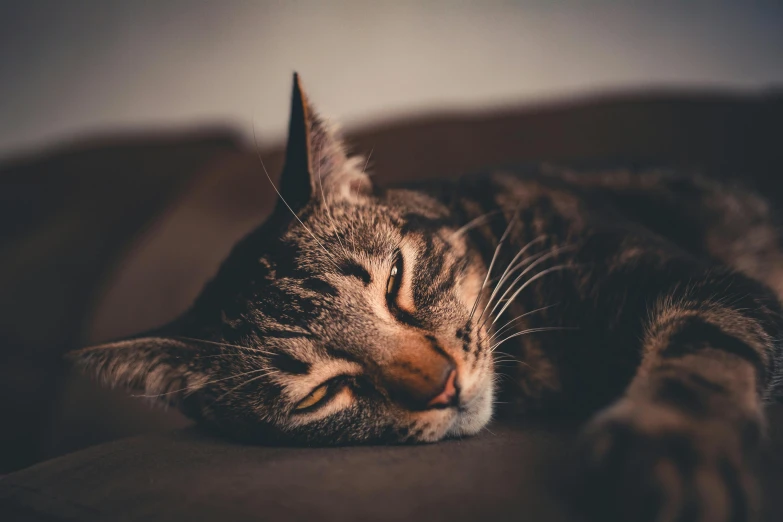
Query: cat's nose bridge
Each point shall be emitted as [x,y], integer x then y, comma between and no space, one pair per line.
[421,376]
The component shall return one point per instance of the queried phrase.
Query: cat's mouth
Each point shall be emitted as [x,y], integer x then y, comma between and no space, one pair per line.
[465,418]
[473,414]
[474,409]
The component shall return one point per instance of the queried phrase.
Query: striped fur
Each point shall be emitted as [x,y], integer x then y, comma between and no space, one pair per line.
[652,298]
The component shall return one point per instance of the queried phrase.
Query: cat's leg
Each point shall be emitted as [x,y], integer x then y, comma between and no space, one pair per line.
[678,445]
[648,305]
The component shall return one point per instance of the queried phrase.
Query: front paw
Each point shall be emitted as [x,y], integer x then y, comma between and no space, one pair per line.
[647,462]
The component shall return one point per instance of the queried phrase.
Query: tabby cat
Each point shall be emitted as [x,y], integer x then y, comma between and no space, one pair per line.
[362,314]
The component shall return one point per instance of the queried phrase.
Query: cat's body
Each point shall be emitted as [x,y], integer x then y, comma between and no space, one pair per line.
[630,241]
[359,314]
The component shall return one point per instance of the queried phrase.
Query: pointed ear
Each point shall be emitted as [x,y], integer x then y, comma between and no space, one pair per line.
[159,367]
[315,158]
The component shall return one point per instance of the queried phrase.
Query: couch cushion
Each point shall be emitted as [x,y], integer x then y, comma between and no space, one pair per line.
[513,472]
[188,475]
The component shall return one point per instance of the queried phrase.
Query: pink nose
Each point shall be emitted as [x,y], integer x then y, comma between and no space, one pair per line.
[449,393]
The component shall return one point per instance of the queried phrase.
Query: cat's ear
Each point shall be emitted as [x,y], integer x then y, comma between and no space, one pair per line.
[316,164]
[158,367]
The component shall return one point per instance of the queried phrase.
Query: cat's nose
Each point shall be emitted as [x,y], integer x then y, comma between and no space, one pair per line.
[449,394]
[424,383]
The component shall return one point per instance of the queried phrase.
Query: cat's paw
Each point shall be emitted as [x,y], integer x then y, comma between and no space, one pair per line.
[646,462]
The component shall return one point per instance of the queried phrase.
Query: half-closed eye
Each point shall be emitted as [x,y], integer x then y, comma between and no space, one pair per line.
[320,395]
[395,280]
[315,396]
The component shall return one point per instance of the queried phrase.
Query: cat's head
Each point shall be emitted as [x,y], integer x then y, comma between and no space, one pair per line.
[347,317]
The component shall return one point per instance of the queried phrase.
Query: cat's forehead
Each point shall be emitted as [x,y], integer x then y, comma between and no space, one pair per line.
[334,230]
[333,237]
[389,214]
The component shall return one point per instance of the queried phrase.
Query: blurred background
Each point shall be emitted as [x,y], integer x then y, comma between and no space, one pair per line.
[77,67]
[127,168]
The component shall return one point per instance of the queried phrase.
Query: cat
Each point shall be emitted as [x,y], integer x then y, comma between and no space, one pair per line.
[362,314]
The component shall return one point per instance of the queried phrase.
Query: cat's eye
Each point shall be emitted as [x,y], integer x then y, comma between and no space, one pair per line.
[316,396]
[395,278]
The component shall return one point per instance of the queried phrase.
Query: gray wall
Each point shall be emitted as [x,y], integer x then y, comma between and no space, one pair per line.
[73,67]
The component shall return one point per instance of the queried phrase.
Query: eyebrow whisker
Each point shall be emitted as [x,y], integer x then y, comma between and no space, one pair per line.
[245,383]
[326,205]
[329,255]
[192,388]
[228,345]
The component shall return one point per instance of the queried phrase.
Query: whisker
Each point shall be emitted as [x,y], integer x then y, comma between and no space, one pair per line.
[248,348]
[475,222]
[529,331]
[535,259]
[258,153]
[508,271]
[226,355]
[492,262]
[364,171]
[326,205]
[367,162]
[502,362]
[541,258]
[511,267]
[505,326]
[507,359]
[537,276]
[248,381]
[191,388]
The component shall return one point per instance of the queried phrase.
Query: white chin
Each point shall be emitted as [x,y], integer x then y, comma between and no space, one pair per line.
[475,418]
